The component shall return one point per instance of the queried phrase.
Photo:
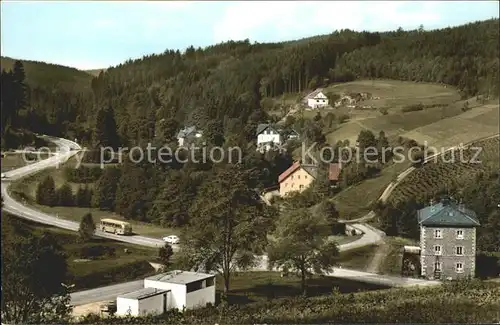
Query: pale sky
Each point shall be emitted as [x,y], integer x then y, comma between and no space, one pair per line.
[99,34]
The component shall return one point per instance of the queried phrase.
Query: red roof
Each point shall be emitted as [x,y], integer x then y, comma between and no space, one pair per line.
[334,172]
[289,171]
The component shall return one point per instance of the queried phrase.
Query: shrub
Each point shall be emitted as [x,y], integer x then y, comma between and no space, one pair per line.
[412,108]
[96,251]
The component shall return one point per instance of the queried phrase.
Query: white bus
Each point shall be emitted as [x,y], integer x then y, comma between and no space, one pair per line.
[116,226]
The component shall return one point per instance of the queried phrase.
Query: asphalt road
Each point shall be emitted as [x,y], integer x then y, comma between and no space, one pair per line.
[370,236]
[67,149]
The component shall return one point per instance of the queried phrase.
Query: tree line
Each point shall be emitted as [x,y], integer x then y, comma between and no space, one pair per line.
[230,82]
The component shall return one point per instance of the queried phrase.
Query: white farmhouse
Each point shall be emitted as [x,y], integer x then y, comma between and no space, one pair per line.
[316,99]
[268,136]
[171,290]
[186,289]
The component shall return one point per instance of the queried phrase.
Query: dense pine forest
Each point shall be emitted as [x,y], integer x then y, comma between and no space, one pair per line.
[228,81]
[222,90]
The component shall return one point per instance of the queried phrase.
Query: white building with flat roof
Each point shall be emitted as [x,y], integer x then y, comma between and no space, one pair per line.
[186,289]
[143,302]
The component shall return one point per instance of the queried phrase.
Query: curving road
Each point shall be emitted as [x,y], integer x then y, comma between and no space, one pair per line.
[68,148]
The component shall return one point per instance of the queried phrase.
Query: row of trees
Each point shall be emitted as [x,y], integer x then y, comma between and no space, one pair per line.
[227,82]
[48,194]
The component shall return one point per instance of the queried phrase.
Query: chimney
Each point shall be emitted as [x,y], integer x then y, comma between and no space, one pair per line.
[461,206]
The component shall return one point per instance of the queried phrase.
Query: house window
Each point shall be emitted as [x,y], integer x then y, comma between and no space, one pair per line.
[194,286]
[460,234]
[301,186]
[437,233]
[437,250]
[298,176]
[292,184]
[460,250]
[459,267]
[291,177]
[437,266]
[210,282]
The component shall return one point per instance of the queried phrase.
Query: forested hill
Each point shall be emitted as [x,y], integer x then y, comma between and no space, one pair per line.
[227,82]
[41,74]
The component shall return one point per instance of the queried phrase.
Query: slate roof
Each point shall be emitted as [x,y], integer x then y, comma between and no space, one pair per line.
[187,131]
[447,213]
[263,126]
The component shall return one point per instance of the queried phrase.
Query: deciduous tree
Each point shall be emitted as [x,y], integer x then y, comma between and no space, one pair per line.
[87,227]
[229,224]
[301,244]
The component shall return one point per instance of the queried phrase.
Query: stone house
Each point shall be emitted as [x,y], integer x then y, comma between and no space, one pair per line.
[447,241]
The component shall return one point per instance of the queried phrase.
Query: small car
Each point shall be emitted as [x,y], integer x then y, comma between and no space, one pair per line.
[172,239]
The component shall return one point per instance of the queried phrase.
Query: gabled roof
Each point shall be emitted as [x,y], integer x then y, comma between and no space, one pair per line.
[187,131]
[314,93]
[263,126]
[310,169]
[334,171]
[447,214]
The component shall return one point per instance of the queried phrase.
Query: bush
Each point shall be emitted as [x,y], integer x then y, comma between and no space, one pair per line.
[96,251]
[384,110]
[473,303]
[413,108]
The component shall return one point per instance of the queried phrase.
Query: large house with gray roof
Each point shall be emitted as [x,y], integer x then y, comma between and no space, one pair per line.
[447,240]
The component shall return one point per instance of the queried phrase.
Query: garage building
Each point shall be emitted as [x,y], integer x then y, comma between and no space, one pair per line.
[162,292]
[142,302]
[186,289]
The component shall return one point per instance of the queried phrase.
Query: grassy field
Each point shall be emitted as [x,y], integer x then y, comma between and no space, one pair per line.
[395,94]
[357,259]
[444,123]
[248,287]
[83,269]
[356,200]
[480,121]
[25,190]
[12,160]
[434,176]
